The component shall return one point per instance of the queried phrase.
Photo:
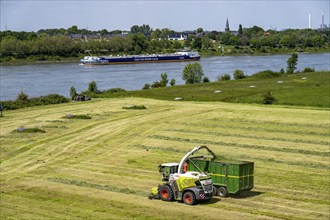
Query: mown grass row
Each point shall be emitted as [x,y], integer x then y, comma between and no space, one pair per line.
[249,136]
[260,128]
[98,186]
[247,146]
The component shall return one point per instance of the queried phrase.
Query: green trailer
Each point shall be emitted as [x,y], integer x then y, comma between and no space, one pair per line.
[229,177]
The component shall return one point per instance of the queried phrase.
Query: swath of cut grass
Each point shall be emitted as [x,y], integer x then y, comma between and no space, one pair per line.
[72,116]
[29,130]
[97,186]
[138,107]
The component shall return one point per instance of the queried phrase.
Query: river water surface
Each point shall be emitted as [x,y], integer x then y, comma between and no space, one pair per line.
[44,79]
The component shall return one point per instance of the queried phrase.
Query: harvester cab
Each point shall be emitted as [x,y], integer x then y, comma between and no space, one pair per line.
[178,184]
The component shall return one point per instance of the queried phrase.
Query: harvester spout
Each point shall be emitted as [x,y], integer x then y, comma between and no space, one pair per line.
[185,158]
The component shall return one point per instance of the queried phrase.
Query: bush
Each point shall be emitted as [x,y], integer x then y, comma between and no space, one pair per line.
[266,74]
[172,82]
[113,90]
[22,101]
[22,97]
[239,74]
[308,70]
[146,86]
[224,77]
[268,99]
[206,79]
[156,84]
[92,87]
[73,92]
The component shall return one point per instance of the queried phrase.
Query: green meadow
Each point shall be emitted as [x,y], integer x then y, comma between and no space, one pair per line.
[102,163]
[303,89]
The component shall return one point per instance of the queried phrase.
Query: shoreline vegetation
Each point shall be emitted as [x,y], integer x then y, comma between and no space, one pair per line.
[35,60]
[70,45]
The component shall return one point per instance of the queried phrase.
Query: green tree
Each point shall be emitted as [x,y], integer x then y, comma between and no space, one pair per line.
[207,43]
[199,30]
[92,87]
[172,82]
[292,63]
[163,80]
[197,44]
[288,40]
[73,92]
[224,77]
[73,29]
[193,73]
[22,97]
[240,30]
[239,74]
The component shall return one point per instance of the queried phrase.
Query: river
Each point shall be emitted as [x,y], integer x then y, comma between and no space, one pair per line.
[42,79]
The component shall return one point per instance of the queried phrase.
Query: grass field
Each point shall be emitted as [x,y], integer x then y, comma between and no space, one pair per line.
[104,167]
[304,89]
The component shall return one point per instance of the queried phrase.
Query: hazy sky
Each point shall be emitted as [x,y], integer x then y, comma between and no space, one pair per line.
[179,15]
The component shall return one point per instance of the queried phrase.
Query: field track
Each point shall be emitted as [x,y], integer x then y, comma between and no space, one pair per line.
[104,167]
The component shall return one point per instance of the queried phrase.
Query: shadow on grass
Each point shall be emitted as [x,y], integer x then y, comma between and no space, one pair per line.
[248,194]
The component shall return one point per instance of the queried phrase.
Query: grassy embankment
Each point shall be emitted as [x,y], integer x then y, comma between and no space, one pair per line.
[104,167]
[304,89]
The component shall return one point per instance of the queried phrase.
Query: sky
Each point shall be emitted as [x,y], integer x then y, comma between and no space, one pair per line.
[178,15]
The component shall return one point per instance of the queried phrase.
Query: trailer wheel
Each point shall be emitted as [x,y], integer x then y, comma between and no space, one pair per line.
[222,191]
[189,198]
[166,193]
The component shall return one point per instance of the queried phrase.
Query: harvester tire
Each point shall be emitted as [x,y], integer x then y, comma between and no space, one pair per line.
[166,193]
[189,198]
[222,191]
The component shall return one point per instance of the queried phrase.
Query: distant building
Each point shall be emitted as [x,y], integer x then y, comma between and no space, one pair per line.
[177,37]
[227,29]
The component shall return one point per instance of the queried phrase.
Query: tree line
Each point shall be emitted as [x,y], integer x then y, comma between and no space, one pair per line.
[144,39]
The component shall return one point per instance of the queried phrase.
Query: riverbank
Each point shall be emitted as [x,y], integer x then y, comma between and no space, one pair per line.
[228,51]
[301,89]
[12,61]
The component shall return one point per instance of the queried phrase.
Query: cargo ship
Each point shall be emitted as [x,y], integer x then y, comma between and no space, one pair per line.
[131,59]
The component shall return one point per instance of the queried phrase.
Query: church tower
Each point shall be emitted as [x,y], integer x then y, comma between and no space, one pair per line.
[227,29]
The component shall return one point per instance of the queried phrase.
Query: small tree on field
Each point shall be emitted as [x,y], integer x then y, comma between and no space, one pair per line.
[73,92]
[193,73]
[239,74]
[172,82]
[292,63]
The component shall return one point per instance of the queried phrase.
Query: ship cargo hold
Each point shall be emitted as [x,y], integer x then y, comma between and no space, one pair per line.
[131,59]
